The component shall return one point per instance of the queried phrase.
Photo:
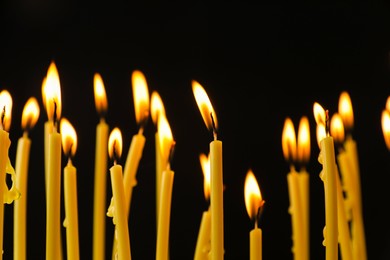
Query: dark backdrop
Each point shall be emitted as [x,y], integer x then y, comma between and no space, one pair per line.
[258,63]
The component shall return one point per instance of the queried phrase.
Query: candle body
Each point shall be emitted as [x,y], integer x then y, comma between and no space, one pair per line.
[71,212]
[20,205]
[256,247]
[53,199]
[160,166]
[4,146]
[120,215]
[216,201]
[100,190]
[48,129]
[305,202]
[202,249]
[296,211]
[330,187]
[164,215]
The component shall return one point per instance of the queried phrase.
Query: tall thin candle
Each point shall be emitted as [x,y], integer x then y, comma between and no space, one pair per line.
[216,172]
[29,118]
[69,144]
[100,181]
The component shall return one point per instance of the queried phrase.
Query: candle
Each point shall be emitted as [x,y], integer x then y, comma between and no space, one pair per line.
[117,209]
[29,118]
[293,180]
[5,142]
[48,128]
[69,144]
[163,224]
[202,249]
[157,108]
[100,181]
[337,131]
[328,176]
[358,238]
[216,172]
[53,198]
[254,203]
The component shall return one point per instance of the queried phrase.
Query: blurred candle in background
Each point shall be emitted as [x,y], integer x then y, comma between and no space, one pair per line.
[71,222]
[30,117]
[100,180]
[254,204]
[202,249]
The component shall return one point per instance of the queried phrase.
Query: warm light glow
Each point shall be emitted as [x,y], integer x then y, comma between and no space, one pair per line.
[69,137]
[156,107]
[386,127]
[115,144]
[319,113]
[52,93]
[165,137]
[388,103]
[205,163]
[345,110]
[99,94]
[140,96]
[43,92]
[303,149]
[289,143]
[5,110]
[30,113]
[253,199]
[337,128]
[204,105]
[320,133]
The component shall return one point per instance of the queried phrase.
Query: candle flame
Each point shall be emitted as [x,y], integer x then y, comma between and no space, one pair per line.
[30,113]
[100,94]
[52,93]
[205,163]
[204,105]
[164,137]
[320,133]
[386,127]
[303,149]
[68,137]
[43,92]
[157,107]
[6,109]
[140,96]
[388,104]
[115,144]
[337,128]
[289,145]
[253,198]
[319,113]
[345,110]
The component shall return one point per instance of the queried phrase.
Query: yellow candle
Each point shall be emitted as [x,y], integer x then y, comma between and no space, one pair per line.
[216,172]
[202,249]
[48,128]
[164,214]
[328,176]
[100,181]
[119,204]
[53,199]
[29,119]
[69,144]
[157,108]
[5,142]
[254,203]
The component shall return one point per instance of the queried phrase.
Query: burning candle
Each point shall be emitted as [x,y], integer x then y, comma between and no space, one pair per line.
[48,128]
[117,209]
[69,145]
[163,225]
[5,142]
[157,108]
[337,131]
[254,204]
[350,146]
[100,182]
[30,116]
[328,176]
[53,198]
[202,249]
[216,172]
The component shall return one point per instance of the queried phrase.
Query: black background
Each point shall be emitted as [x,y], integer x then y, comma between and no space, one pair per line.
[258,63]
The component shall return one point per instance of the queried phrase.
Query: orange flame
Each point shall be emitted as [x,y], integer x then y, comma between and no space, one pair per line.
[205,163]
[345,110]
[303,149]
[5,109]
[204,105]
[115,144]
[68,137]
[157,107]
[52,93]
[289,145]
[165,137]
[100,94]
[30,113]
[140,96]
[253,198]
[337,128]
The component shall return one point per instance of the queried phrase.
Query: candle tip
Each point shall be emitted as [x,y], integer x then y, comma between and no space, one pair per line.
[213,126]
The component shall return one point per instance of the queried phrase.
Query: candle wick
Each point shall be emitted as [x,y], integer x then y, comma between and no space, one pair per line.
[327,122]
[260,211]
[25,133]
[143,122]
[213,126]
[171,152]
